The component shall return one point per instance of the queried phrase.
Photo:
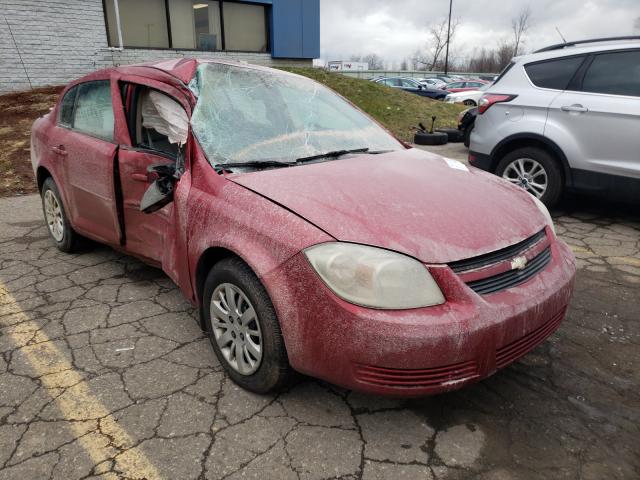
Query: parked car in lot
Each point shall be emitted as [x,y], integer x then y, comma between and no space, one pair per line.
[413,86]
[433,83]
[466,85]
[445,79]
[309,238]
[565,117]
[467,97]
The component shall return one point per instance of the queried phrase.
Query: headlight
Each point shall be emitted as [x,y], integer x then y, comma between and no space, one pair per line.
[374,277]
[543,209]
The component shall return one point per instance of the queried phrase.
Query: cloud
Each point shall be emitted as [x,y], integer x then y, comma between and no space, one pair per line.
[395,29]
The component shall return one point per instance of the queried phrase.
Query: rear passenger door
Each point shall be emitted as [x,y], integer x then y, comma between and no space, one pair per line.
[87,152]
[600,111]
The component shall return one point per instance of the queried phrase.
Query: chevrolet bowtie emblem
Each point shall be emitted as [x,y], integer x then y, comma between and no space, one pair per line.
[519,263]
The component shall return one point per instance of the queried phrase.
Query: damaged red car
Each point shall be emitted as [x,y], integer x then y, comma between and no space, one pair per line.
[309,237]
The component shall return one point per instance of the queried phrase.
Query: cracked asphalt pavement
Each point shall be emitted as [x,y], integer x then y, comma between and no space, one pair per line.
[104,373]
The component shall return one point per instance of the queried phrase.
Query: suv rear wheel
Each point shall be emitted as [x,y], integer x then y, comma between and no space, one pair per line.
[535,170]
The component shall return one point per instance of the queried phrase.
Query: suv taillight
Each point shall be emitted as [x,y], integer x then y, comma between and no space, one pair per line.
[489,99]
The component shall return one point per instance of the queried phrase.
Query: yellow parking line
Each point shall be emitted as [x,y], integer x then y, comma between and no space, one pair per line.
[55,372]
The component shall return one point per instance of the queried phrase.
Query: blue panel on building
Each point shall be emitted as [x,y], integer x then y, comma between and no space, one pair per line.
[295,29]
[311,29]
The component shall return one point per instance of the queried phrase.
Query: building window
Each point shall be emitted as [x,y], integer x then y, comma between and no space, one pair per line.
[245,27]
[143,23]
[189,24]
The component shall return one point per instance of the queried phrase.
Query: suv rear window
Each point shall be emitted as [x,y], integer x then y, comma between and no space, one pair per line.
[615,73]
[555,74]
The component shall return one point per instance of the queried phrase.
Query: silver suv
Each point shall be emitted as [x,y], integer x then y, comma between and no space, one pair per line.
[565,117]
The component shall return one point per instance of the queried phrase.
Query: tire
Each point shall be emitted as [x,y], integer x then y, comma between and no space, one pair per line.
[272,371]
[424,138]
[469,103]
[63,235]
[467,135]
[509,165]
[453,134]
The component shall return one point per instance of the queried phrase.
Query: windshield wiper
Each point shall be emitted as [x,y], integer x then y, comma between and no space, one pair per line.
[334,154]
[253,164]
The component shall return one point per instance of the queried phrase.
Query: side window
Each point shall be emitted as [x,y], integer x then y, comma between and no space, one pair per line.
[94,113]
[456,85]
[160,122]
[555,74]
[392,82]
[614,73]
[408,83]
[65,114]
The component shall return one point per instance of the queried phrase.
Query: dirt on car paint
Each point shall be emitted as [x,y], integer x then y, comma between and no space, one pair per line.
[17,113]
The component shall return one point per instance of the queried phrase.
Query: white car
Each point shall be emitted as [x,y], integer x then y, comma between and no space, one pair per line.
[470,97]
[566,117]
[433,83]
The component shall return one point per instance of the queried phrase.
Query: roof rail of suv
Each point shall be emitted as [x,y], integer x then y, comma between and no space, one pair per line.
[560,46]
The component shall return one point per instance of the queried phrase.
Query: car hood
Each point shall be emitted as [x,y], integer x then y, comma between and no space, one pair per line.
[432,208]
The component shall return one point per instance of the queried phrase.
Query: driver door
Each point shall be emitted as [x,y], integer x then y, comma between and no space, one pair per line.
[147,235]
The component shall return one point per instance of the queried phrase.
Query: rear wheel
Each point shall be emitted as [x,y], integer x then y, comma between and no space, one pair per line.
[243,327]
[65,238]
[535,170]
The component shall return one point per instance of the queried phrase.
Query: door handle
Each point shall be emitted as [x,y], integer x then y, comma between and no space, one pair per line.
[59,150]
[574,108]
[140,177]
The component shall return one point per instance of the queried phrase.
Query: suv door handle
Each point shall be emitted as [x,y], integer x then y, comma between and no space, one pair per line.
[574,108]
[59,150]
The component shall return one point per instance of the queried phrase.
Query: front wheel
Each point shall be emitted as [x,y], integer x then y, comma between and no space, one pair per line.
[535,170]
[469,103]
[243,327]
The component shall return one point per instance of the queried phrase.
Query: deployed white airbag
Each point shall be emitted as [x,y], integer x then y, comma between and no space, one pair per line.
[166,116]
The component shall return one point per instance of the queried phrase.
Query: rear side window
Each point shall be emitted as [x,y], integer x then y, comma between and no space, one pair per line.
[409,83]
[65,116]
[94,113]
[555,74]
[614,73]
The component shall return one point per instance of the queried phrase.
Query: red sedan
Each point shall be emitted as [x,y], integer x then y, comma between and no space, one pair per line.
[465,86]
[308,236]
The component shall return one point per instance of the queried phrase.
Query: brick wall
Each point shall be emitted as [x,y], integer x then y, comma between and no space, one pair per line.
[49,42]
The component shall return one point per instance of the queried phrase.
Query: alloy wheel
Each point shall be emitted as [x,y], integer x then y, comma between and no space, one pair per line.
[236,328]
[53,215]
[528,174]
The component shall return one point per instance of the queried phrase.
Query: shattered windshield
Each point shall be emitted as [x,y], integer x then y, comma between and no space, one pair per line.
[248,115]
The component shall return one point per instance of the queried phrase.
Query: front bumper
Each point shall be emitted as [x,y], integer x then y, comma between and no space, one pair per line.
[421,351]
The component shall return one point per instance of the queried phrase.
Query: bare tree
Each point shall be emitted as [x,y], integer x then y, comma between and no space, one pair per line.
[404,66]
[520,25]
[375,61]
[437,43]
[636,25]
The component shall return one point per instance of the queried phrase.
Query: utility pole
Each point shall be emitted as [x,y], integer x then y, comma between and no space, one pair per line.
[446,55]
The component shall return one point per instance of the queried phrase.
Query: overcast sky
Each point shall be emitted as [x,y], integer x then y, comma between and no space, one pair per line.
[394,29]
